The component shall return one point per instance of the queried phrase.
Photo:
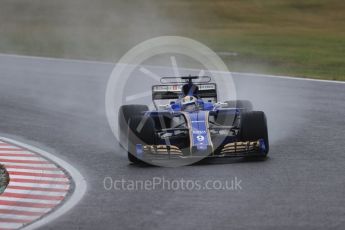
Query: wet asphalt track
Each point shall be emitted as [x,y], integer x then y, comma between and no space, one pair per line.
[58,105]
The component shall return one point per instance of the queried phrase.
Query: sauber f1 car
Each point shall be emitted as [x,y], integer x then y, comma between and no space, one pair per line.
[191,124]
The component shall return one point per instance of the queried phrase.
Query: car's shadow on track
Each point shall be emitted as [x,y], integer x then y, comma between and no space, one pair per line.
[234,160]
[205,162]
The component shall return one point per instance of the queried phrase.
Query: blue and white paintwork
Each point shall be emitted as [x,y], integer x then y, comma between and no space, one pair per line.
[198,122]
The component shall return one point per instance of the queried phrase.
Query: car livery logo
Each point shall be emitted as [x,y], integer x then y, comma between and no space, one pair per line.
[200,138]
[199,131]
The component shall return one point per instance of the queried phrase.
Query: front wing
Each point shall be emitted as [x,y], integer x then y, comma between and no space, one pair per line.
[234,149]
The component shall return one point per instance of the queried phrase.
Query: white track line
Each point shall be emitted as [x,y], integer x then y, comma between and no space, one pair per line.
[20,217]
[35,185]
[36,201]
[45,193]
[110,63]
[9,169]
[37,158]
[2,147]
[31,165]
[26,209]
[16,152]
[7,225]
[40,178]
[25,178]
[287,77]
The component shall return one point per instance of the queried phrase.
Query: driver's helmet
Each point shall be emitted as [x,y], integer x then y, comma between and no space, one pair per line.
[190,89]
[189,103]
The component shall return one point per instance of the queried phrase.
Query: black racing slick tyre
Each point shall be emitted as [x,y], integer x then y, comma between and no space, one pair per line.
[125,112]
[246,105]
[253,126]
[140,131]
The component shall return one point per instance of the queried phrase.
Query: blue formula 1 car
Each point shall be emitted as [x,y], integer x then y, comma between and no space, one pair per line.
[191,124]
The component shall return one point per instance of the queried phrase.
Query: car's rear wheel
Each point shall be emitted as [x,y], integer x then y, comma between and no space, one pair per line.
[125,112]
[246,105]
[140,131]
[253,126]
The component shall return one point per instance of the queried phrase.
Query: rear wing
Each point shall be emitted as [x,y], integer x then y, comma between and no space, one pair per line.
[173,92]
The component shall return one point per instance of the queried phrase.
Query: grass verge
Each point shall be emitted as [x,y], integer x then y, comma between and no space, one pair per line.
[285,37]
[4,178]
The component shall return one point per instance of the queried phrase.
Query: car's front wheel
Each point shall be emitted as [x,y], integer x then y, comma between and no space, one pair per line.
[140,131]
[253,126]
[125,112]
